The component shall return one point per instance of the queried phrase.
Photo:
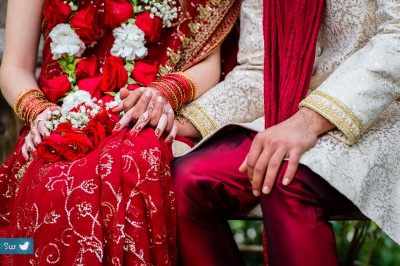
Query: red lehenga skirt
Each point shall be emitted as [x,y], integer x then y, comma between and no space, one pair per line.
[115,206]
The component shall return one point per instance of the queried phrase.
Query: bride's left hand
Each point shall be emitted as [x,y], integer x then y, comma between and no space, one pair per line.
[37,132]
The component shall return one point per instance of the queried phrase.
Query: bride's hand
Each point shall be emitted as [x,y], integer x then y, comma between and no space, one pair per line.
[145,106]
[37,132]
[182,127]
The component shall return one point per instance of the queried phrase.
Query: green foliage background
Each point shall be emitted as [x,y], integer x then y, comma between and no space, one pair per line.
[359,243]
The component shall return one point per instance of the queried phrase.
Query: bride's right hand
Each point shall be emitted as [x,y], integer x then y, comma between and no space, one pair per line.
[145,106]
[37,132]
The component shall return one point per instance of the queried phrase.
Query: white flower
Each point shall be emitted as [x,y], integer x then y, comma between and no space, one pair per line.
[64,40]
[129,42]
[165,10]
[72,100]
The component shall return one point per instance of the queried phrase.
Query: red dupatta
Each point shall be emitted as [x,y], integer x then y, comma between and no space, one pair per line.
[290,30]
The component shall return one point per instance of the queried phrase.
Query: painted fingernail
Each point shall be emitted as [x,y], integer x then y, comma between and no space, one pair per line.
[133,133]
[147,93]
[169,140]
[138,128]
[160,99]
[115,132]
[157,132]
[285,181]
[265,189]
[256,193]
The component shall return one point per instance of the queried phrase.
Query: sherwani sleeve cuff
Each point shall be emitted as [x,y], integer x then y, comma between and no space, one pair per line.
[199,118]
[338,114]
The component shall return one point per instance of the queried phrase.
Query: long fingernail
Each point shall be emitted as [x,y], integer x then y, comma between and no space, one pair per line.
[265,189]
[147,93]
[157,132]
[256,193]
[286,181]
[169,139]
[133,133]
[115,132]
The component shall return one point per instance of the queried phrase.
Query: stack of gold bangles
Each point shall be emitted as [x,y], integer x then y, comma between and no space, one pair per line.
[29,104]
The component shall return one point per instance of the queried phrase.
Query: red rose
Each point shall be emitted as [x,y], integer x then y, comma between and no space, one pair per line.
[91,85]
[95,132]
[103,118]
[132,87]
[85,23]
[117,12]
[145,73]
[56,88]
[115,75]
[50,148]
[87,68]
[56,12]
[63,128]
[75,146]
[150,26]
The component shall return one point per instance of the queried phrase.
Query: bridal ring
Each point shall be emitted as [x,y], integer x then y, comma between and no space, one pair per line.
[37,121]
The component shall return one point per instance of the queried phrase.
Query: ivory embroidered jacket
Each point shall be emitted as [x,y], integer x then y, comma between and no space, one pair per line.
[355,85]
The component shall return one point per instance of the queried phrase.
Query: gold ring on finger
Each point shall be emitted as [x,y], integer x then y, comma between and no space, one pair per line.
[37,121]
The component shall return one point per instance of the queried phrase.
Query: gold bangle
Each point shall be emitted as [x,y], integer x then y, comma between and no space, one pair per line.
[22,94]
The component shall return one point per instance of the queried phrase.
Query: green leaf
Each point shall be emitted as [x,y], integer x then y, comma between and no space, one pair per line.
[112,93]
[131,21]
[131,81]
[129,67]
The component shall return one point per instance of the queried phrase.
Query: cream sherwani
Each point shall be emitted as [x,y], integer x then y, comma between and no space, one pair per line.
[355,85]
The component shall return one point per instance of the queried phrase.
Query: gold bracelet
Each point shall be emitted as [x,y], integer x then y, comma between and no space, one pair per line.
[22,94]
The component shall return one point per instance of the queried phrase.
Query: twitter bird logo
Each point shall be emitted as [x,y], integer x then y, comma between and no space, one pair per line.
[24,246]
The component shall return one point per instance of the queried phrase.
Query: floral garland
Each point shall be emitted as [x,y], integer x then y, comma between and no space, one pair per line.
[87,93]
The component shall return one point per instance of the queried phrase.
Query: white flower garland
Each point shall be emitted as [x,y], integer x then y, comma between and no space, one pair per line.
[64,40]
[166,10]
[129,42]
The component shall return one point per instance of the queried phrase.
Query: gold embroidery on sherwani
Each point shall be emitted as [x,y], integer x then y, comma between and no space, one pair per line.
[199,118]
[336,112]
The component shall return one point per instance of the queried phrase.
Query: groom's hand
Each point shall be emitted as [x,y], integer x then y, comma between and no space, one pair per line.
[285,141]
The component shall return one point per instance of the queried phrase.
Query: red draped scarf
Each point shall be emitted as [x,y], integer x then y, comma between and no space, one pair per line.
[290,36]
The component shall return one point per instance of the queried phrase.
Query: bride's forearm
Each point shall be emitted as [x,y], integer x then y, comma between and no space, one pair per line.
[207,73]
[13,81]
[22,33]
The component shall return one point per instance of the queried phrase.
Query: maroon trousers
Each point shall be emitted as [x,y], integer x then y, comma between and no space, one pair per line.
[210,190]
